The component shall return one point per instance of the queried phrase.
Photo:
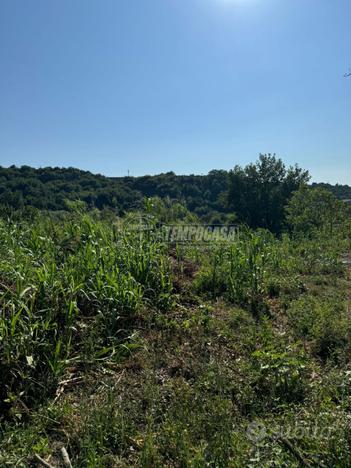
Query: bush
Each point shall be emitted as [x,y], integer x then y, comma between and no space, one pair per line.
[324,323]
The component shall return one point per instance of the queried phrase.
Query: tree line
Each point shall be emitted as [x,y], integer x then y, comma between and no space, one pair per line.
[256,194]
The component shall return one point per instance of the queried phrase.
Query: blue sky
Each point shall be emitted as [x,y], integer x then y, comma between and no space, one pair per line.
[152,86]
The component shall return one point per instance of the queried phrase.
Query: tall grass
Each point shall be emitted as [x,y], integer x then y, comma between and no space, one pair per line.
[256,265]
[68,289]
[75,293]
[239,269]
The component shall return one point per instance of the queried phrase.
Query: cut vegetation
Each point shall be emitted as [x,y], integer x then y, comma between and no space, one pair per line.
[118,348]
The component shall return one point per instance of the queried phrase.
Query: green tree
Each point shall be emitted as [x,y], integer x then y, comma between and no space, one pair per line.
[259,192]
[315,210]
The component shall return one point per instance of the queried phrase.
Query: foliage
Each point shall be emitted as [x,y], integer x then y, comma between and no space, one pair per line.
[256,193]
[238,269]
[259,192]
[315,209]
[56,278]
[325,323]
[132,352]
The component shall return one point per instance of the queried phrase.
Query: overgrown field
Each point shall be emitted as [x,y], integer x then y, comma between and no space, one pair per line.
[129,351]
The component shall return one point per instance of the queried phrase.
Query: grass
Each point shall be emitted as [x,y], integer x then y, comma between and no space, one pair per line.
[129,352]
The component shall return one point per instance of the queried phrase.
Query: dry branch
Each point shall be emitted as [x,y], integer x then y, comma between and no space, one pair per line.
[42,461]
[65,457]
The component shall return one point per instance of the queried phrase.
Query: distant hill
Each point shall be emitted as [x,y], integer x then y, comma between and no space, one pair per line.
[49,188]
[343,192]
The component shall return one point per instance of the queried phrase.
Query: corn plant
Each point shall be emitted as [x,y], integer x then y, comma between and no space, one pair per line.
[55,275]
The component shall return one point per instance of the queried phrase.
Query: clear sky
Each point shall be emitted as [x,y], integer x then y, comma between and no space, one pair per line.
[152,86]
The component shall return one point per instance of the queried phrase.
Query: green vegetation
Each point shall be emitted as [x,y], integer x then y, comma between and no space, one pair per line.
[129,351]
[314,210]
[259,192]
[256,193]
